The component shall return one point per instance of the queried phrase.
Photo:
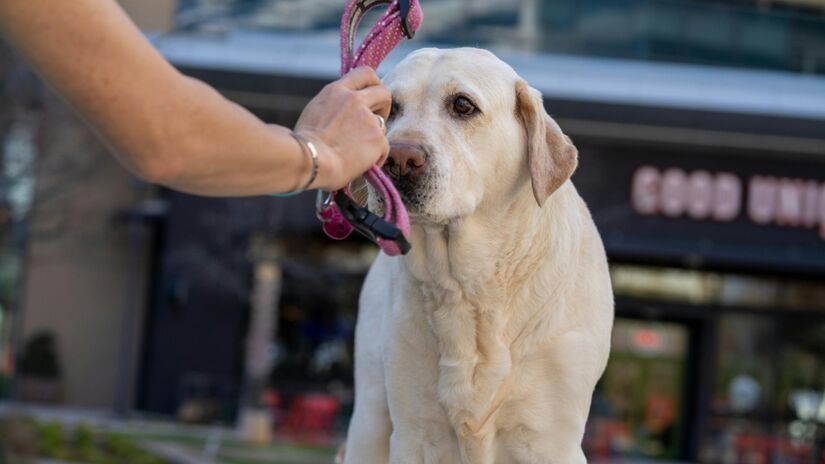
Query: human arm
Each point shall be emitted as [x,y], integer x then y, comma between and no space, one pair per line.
[177,131]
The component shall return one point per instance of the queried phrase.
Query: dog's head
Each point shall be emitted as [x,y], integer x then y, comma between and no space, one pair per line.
[466,132]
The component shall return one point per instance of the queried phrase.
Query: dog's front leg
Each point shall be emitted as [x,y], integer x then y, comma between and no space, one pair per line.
[368,437]
[422,432]
[548,410]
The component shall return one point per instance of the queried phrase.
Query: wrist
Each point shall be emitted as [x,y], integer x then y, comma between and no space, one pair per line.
[308,172]
[325,162]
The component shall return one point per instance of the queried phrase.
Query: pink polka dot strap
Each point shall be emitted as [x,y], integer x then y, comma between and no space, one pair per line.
[402,18]
[340,213]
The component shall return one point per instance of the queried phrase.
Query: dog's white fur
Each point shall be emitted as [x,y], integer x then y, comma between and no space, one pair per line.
[484,344]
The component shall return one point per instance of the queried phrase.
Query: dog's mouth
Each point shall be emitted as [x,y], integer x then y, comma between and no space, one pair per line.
[415,173]
[411,193]
[416,193]
[416,190]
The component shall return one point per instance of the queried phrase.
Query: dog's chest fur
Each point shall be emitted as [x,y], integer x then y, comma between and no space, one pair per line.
[464,299]
[480,321]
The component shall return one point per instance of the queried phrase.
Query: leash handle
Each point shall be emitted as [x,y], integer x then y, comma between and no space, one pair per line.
[402,18]
[342,215]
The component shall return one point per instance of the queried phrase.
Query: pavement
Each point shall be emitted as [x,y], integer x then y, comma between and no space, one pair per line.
[198,444]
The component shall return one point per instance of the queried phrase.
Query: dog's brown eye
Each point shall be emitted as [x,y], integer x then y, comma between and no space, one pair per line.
[463,106]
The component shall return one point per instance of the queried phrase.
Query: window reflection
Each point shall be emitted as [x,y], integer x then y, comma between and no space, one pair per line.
[768,403]
[787,35]
[637,405]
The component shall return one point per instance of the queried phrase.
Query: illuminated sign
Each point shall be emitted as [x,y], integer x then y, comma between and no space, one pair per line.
[647,340]
[724,197]
[706,209]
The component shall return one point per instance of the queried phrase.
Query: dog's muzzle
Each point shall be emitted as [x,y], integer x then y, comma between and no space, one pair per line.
[407,166]
[406,160]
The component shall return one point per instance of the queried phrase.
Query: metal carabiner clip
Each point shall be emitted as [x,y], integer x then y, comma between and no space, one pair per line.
[322,205]
[404,8]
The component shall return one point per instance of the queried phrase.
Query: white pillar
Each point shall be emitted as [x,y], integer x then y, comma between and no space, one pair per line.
[255,420]
[528,24]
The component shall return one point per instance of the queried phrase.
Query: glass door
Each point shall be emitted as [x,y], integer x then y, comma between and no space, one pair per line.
[768,395]
[637,406]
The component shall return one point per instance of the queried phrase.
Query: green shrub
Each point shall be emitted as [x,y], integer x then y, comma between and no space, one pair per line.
[52,442]
[88,445]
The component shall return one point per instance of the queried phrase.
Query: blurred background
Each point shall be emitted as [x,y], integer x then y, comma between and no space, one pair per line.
[148,326]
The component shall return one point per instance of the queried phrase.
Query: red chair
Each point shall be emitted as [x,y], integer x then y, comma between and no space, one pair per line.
[311,418]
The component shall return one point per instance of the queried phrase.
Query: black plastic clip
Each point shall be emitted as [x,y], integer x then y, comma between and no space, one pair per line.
[369,224]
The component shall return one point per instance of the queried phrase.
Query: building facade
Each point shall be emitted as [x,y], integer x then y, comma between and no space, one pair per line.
[701,132]
[73,262]
[704,174]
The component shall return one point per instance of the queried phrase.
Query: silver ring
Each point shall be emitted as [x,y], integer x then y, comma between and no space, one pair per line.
[381,123]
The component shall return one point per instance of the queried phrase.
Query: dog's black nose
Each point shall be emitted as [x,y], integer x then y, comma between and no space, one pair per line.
[406,159]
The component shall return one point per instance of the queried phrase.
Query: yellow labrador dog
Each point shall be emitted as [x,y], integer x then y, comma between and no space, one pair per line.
[484,344]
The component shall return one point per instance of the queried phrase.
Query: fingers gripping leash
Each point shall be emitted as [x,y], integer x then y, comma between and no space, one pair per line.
[338,211]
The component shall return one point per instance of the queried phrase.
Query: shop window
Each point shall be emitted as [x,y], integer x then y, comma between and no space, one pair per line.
[637,407]
[768,397]
[717,289]
[310,388]
[744,369]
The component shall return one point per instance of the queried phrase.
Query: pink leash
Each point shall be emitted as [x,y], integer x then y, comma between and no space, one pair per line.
[339,213]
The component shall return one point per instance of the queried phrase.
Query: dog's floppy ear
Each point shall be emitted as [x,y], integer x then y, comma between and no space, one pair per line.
[551,156]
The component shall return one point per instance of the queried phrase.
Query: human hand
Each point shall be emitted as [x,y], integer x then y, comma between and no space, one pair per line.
[341,121]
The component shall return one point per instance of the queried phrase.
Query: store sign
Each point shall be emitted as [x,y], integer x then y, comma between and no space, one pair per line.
[723,197]
[706,209]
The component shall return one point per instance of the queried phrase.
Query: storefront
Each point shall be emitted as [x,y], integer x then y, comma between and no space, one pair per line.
[712,210]
[718,265]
